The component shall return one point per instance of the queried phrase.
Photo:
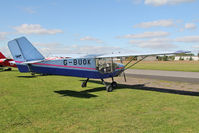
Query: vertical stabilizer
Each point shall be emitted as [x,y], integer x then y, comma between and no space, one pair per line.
[22,50]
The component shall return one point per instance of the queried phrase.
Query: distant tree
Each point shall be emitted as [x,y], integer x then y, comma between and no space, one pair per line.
[185,54]
[158,58]
[190,59]
[172,58]
[165,58]
[181,58]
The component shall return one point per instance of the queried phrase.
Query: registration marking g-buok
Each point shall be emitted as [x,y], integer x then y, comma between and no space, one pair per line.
[77,62]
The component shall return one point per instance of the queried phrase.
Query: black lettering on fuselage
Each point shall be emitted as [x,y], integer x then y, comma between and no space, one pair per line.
[89,61]
[65,62]
[80,61]
[77,62]
[84,61]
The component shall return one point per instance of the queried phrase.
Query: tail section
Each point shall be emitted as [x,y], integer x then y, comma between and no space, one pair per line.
[2,56]
[23,51]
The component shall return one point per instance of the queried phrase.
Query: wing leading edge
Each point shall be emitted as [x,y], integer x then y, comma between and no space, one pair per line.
[141,54]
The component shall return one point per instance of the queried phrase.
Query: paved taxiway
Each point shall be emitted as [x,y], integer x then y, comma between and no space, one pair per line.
[190,77]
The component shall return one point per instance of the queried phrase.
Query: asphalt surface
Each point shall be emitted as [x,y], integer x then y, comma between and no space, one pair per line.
[176,76]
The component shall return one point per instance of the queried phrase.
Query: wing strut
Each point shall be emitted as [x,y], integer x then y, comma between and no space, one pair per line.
[123,71]
[125,67]
[133,63]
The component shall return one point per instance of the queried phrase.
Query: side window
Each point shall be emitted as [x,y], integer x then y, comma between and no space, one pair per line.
[105,65]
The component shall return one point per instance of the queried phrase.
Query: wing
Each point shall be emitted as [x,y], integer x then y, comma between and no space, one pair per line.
[75,55]
[140,54]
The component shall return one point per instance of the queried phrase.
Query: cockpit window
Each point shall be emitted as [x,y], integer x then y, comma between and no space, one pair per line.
[106,65]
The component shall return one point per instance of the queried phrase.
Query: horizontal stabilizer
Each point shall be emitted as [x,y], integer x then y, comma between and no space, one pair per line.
[31,62]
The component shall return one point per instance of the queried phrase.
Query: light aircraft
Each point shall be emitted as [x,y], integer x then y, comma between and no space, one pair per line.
[6,62]
[29,59]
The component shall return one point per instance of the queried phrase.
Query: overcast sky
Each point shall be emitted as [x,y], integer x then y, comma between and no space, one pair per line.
[101,26]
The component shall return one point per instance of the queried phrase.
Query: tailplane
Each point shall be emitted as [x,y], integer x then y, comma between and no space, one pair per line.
[23,51]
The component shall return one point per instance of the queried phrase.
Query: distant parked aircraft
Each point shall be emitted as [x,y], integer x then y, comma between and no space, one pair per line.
[6,63]
[29,59]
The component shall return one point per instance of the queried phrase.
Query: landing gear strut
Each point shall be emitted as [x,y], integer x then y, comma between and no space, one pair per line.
[84,84]
[110,87]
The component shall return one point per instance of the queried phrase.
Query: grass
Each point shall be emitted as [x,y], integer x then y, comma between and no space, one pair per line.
[58,104]
[189,66]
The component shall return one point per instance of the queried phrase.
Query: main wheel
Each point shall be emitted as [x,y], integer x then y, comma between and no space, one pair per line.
[109,88]
[84,84]
[114,84]
[33,74]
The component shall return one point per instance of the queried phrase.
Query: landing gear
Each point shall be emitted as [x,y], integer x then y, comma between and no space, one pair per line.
[114,84]
[84,84]
[8,69]
[110,87]
[32,73]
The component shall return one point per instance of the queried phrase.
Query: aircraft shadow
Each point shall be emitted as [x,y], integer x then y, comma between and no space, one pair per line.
[79,94]
[26,76]
[145,88]
[86,93]
[30,76]
[7,70]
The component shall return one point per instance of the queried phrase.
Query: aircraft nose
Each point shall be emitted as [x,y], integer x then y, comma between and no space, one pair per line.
[121,66]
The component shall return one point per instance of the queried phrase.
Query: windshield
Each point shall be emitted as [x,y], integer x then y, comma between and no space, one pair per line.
[106,65]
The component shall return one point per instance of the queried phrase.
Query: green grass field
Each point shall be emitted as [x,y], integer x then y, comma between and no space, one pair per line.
[50,104]
[189,66]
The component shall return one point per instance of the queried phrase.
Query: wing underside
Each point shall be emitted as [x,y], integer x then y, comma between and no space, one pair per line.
[140,54]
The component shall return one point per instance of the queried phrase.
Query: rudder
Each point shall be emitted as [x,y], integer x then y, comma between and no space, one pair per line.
[23,51]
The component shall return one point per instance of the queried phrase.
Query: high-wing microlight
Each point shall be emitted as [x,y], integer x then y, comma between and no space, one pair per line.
[29,59]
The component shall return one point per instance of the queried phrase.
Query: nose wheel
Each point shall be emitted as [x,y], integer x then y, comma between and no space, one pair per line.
[114,84]
[110,87]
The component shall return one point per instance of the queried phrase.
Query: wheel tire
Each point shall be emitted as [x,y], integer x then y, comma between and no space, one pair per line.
[33,74]
[109,88]
[84,84]
[114,84]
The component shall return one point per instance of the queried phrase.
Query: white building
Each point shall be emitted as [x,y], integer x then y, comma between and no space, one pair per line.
[194,58]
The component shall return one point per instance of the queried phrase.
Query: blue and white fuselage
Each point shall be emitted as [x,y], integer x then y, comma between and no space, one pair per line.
[29,59]
[78,67]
